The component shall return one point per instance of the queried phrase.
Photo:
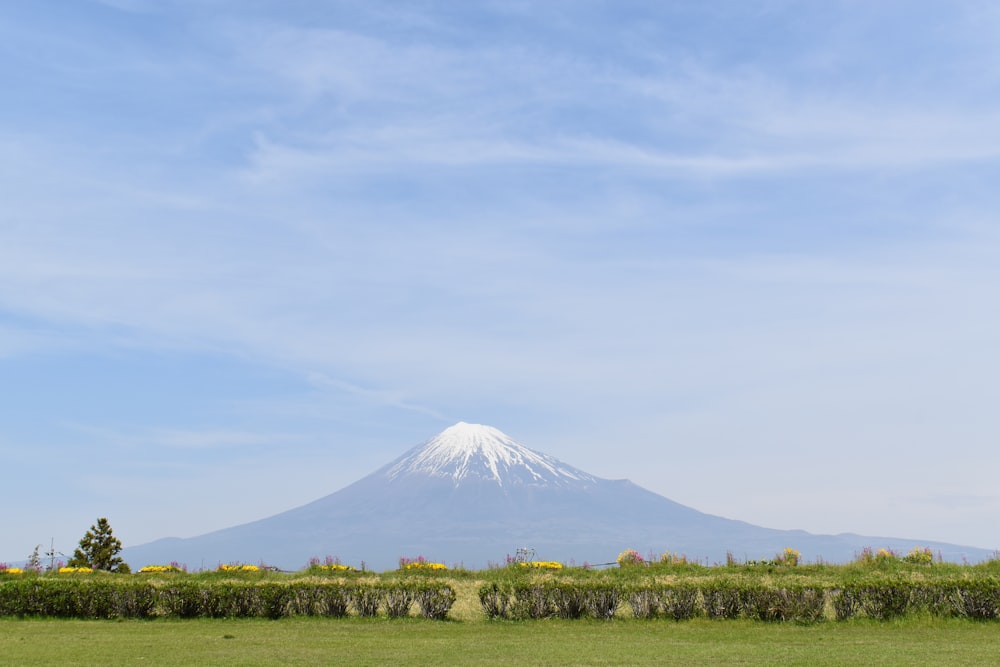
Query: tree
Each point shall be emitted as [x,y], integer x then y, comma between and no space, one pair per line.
[34,561]
[99,550]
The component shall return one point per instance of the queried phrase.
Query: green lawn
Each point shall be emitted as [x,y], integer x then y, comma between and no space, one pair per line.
[355,641]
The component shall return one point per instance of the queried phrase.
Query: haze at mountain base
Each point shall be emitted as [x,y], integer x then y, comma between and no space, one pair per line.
[471,495]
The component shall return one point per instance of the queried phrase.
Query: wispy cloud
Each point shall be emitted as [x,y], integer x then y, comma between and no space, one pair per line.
[393,399]
[194,439]
[618,223]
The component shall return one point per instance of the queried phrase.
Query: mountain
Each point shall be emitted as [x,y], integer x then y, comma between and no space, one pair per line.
[471,495]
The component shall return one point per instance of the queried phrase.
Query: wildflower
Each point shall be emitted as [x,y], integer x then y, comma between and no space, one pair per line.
[541,565]
[333,567]
[159,569]
[424,565]
[789,557]
[237,567]
[419,563]
[920,556]
[883,555]
[630,557]
[668,558]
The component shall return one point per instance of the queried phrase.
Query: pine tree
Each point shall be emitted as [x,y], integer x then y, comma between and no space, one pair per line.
[99,550]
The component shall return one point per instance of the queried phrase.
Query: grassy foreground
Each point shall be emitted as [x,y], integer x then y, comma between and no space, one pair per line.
[356,641]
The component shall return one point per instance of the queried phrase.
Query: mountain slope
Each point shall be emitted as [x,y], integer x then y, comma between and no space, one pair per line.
[472,495]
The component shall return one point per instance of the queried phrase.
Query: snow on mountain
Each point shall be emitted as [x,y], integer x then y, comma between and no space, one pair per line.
[474,451]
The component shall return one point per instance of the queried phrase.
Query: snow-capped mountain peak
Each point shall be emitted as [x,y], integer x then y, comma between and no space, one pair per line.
[482,452]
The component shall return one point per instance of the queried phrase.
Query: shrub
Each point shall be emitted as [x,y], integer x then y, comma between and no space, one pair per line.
[229,600]
[884,599]
[675,601]
[435,601]
[398,600]
[272,600]
[134,600]
[602,600]
[33,597]
[802,604]
[183,599]
[308,599]
[845,602]
[680,601]
[77,599]
[366,599]
[568,600]
[531,601]
[721,599]
[495,599]
[919,556]
[645,602]
[978,600]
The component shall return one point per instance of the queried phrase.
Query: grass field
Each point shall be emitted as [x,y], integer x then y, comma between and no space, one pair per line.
[355,641]
[468,638]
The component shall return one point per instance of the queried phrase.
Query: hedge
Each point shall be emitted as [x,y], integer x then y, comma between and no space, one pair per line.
[880,599]
[105,599]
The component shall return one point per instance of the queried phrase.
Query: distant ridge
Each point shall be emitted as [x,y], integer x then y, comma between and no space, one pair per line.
[471,495]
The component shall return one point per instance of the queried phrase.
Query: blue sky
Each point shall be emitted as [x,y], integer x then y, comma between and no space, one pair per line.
[745,254]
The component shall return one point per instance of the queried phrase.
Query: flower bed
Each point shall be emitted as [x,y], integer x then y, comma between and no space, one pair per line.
[332,567]
[159,569]
[420,563]
[541,565]
[237,567]
[425,566]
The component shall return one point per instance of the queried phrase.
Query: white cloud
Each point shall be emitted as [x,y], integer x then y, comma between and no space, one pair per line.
[132,6]
[695,255]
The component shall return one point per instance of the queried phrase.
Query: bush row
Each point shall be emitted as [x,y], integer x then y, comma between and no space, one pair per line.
[550,599]
[977,599]
[97,599]
[720,599]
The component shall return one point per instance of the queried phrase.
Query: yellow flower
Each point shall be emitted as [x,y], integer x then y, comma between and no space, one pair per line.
[334,567]
[225,567]
[542,565]
[790,556]
[419,565]
[883,555]
[921,555]
[75,570]
[150,569]
[12,570]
